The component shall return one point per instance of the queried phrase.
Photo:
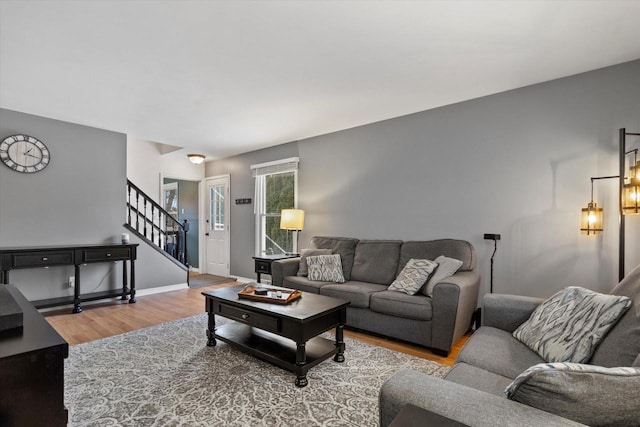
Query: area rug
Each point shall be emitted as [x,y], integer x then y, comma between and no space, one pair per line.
[165,375]
[202,280]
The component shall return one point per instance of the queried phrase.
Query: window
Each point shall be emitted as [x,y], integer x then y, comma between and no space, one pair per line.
[276,189]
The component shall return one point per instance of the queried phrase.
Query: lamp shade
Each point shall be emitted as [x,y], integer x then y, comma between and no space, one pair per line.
[292,219]
[631,199]
[196,159]
[591,222]
[631,191]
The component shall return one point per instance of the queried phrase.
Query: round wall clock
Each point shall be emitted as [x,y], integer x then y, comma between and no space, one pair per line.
[24,153]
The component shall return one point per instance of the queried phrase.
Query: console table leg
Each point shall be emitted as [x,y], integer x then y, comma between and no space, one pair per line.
[133,299]
[211,330]
[301,360]
[339,357]
[124,281]
[76,292]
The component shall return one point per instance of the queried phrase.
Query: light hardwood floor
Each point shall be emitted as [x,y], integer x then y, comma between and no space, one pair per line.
[112,318]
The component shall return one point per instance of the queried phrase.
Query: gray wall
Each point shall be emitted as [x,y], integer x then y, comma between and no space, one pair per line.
[78,199]
[516,163]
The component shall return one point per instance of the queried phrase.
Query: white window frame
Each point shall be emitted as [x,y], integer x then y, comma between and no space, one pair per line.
[260,172]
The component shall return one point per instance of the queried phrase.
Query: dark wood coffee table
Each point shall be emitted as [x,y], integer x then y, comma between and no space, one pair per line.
[284,335]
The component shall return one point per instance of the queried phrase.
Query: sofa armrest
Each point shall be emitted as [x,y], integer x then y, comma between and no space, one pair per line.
[458,402]
[283,268]
[453,303]
[507,312]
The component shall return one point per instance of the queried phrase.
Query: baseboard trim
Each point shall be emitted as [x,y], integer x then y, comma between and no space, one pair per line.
[244,279]
[161,289]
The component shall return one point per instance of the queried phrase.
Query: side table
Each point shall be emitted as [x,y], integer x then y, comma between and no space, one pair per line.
[263,263]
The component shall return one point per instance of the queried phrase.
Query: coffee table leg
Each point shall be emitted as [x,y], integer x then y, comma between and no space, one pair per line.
[211,330]
[339,357]
[301,360]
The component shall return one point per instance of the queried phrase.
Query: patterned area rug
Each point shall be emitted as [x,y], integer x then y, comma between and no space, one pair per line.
[165,375]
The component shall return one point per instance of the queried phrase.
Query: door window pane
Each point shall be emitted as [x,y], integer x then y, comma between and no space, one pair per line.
[217,219]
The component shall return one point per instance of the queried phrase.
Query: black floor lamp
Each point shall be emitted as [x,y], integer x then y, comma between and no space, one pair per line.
[628,198]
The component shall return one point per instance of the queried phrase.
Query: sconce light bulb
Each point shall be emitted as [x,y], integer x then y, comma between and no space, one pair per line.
[592,218]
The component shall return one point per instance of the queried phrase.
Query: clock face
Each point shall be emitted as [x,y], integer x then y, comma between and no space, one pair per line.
[24,153]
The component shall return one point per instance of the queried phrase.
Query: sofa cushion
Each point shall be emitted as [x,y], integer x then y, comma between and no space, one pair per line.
[376,261]
[447,267]
[413,276]
[432,249]
[344,246]
[621,346]
[462,373]
[325,268]
[303,284]
[497,351]
[303,269]
[587,394]
[357,293]
[568,326]
[399,304]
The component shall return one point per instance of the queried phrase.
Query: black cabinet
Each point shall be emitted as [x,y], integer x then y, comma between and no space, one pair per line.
[263,263]
[32,371]
[50,256]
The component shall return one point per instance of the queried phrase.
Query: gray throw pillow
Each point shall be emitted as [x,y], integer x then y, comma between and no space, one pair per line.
[413,276]
[588,394]
[325,268]
[569,326]
[303,268]
[447,267]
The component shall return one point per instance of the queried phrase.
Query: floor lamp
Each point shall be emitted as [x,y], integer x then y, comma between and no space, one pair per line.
[628,197]
[292,220]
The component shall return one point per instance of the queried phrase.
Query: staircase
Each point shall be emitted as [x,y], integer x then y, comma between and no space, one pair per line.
[154,225]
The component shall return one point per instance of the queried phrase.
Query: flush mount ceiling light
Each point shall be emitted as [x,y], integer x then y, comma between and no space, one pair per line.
[196,159]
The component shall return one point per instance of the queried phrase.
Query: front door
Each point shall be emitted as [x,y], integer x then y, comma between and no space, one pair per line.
[217,226]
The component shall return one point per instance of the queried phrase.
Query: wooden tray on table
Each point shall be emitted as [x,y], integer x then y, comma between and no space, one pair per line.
[287,295]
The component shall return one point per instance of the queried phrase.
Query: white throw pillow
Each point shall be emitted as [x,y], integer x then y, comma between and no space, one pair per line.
[413,276]
[447,267]
[325,268]
[569,326]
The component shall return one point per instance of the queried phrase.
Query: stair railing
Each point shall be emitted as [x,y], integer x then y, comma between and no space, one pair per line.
[156,225]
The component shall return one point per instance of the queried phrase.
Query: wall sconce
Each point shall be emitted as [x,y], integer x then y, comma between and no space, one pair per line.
[196,159]
[629,194]
[292,219]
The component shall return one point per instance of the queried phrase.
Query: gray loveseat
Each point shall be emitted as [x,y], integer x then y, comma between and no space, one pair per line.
[370,266]
[472,392]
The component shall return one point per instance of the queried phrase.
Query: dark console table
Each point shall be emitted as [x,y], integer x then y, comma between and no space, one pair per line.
[50,256]
[32,371]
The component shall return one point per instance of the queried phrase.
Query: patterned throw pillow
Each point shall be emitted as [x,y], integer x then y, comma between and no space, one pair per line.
[447,267]
[303,269]
[413,276]
[325,268]
[569,326]
[579,392]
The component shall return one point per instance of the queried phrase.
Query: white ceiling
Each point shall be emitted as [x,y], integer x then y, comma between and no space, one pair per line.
[225,77]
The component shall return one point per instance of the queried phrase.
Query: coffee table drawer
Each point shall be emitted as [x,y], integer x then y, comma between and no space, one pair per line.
[258,320]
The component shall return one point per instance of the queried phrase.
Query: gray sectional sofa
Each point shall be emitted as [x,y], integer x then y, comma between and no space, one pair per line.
[370,266]
[472,392]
